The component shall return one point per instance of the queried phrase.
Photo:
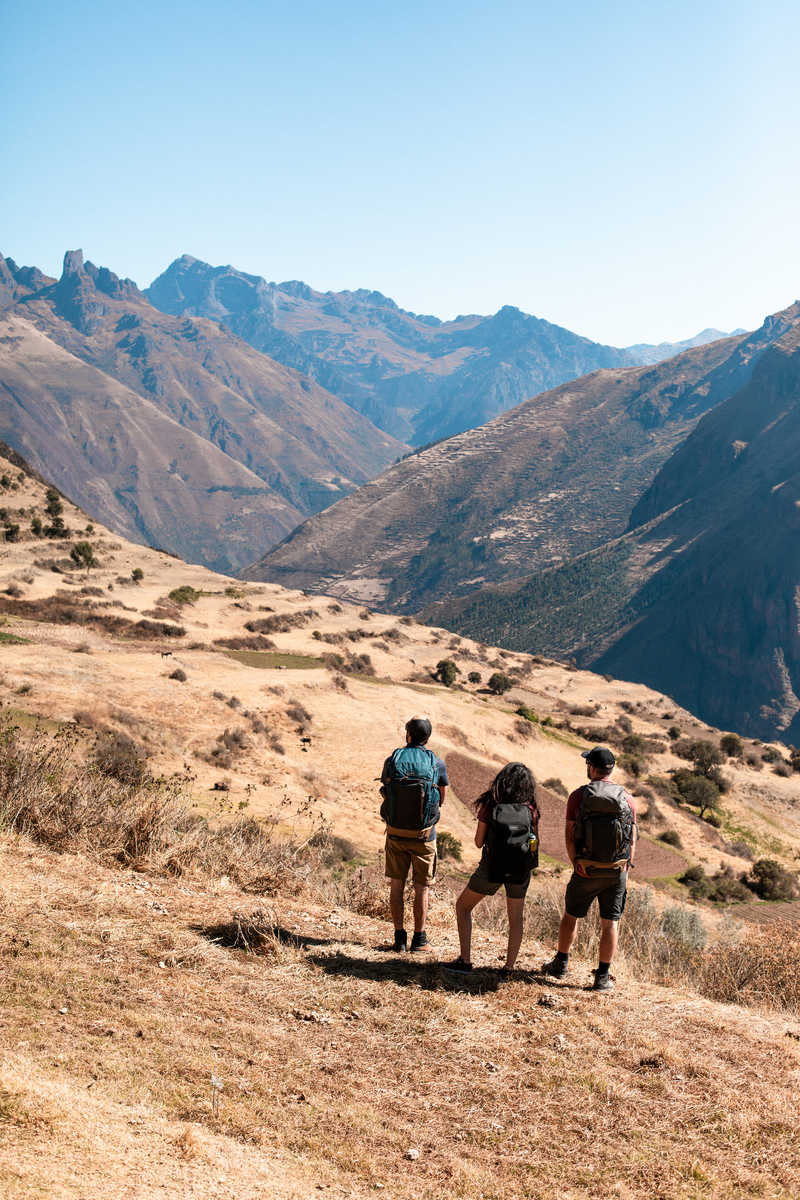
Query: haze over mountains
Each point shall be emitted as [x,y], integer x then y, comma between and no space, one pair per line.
[172,431]
[417,377]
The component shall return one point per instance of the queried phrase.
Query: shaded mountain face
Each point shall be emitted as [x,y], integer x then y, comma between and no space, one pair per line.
[172,431]
[551,479]
[701,597]
[415,376]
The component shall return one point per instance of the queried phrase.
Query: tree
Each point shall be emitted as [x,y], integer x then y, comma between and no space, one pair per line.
[697,790]
[446,671]
[36,526]
[731,744]
[82,555]
[474,677]
[137,574]
[54,507]
[499,683]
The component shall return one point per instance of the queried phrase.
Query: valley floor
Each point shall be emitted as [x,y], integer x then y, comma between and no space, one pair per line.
[123,1008]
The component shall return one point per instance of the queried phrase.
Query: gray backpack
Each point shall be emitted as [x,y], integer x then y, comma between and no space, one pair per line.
[604,825]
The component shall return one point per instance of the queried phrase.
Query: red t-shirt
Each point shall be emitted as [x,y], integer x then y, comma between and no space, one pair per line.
[574,802]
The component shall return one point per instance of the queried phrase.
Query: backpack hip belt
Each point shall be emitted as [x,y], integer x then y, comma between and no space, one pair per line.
[620,865]
[410,834]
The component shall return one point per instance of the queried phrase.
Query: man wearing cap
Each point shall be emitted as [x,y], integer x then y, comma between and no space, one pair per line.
[600,833]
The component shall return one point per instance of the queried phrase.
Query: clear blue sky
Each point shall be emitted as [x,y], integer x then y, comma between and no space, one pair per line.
[629,170]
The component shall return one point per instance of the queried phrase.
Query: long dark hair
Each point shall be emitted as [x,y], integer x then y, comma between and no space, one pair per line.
[513,785]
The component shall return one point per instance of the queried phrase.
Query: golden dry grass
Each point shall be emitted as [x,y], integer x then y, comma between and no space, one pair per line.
[121,998]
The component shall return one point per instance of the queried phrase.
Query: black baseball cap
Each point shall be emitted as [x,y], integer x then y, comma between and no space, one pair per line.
[599,756]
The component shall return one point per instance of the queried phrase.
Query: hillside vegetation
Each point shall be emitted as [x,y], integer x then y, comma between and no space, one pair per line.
[195,993]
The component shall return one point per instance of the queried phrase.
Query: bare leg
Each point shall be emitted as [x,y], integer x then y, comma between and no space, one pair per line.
[464,906]
[608,940]
[566,932]
[516,912]
[421,894]
[396,889]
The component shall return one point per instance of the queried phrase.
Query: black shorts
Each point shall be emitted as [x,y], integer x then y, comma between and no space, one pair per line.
[609,889]
[481,883]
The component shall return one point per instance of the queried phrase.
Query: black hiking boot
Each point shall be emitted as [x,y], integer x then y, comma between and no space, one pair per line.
[419,942]
[400,941]
[602,981]
[555,968]
[458,965]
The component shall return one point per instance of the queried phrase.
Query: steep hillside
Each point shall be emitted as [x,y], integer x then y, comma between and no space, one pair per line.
[553,478]
[172,431]
[417,377]
[192,984]
[699,598]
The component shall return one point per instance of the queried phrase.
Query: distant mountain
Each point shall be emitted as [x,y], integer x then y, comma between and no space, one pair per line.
[172,431]
[646,353]
[700,597]
[417,377]
[556,477]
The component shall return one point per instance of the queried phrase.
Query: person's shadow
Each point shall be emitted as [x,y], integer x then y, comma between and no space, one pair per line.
[407,971]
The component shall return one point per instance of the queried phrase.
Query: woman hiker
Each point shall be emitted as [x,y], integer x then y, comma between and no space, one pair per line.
[507,835]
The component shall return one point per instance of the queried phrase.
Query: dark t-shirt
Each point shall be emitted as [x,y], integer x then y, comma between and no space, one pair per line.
[441,780]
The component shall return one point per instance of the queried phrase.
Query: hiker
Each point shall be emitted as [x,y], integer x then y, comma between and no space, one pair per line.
[413,785]
[600,833]
[507,836]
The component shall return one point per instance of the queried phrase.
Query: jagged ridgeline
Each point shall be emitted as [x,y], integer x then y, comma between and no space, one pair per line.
[171,430]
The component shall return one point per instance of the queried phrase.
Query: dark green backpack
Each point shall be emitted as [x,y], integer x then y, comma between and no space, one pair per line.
[410,794]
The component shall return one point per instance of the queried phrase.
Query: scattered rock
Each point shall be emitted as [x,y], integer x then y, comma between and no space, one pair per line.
[412,1154]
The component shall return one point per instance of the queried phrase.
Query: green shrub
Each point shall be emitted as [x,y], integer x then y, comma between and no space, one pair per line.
[184,595]
[474,677]
[528,714]
[731,744]
[555,785]
[448,846]
[499,683]
[137,574]
[82,555]
[671,837]
[179,674]
[36,526]
[683,925]
[770,755]
[11,532]
[446,672]
[771,881]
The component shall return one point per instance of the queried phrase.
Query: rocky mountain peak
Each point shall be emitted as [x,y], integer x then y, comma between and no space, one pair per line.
[73,264]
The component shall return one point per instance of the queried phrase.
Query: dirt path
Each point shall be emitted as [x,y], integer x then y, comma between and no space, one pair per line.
[470,776]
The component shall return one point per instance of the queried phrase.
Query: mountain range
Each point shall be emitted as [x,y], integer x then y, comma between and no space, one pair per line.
[173,431]
[417,377]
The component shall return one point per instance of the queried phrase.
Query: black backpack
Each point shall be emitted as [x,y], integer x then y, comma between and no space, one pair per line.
[604,826]
[410,792]
[512,843]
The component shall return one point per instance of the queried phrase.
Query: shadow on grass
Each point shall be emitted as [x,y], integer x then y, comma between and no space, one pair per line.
[430,976]
[229,934]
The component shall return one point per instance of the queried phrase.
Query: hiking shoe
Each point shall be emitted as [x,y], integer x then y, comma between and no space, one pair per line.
[458,965]
[602,982]
[400,940]
[419,942]
[556,968]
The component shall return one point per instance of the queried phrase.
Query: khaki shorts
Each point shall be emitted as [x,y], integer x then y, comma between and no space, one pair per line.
[404,854]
